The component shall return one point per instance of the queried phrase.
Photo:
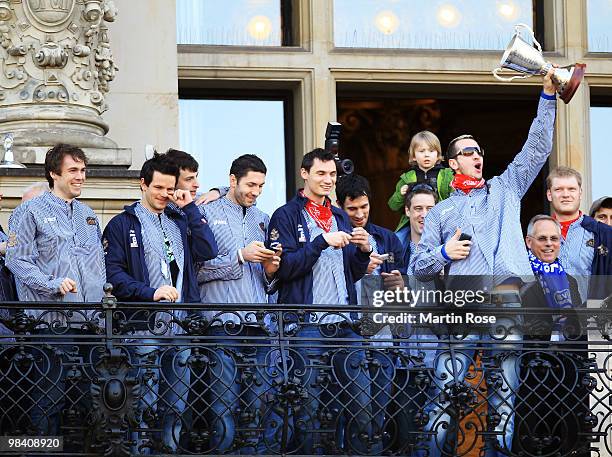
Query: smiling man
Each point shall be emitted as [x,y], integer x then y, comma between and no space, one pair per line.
[354,197]
[55,253]
[150,248]
[242,272]
[323,257]
[151,251]
[419,200]
[54,248]
[555,293]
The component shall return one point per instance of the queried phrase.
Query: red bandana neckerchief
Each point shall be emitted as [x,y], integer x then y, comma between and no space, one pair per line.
[565,225]
[322,214]
[467,183]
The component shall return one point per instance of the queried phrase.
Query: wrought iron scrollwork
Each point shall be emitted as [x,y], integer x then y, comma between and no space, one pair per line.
[121,379]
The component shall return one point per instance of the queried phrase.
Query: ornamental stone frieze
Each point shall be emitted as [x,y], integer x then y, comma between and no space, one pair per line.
[56,67]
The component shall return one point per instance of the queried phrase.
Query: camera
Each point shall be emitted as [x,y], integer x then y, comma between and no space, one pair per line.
[332,144]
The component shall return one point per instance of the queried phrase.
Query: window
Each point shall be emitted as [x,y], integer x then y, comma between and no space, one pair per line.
[378,127]
[234,22]
[216,131]
[599,18]
[429,24]
[601,160]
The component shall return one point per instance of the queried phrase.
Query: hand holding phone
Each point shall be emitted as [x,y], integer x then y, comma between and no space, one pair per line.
[458,246]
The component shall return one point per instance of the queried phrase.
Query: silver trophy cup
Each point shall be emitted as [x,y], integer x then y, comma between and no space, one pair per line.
[524,58]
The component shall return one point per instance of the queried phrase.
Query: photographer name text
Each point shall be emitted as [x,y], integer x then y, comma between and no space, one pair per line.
[433,318]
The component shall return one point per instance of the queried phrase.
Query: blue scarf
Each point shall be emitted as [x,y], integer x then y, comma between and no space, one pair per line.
[553,280]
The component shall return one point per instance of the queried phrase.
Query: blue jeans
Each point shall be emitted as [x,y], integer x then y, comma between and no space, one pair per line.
[334,402]
[164,378]
[450,368]
[240,386]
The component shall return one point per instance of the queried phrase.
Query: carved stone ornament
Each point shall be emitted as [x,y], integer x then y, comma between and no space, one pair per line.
[55,68]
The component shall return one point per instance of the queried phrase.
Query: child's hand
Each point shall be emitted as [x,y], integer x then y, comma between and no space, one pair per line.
[404,189]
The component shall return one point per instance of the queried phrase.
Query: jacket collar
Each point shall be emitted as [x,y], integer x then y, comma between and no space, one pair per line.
[373,230]
[301,201]
[169,211]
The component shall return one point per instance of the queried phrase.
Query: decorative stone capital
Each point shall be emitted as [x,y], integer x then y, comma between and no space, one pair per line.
[56,66]
[54,50]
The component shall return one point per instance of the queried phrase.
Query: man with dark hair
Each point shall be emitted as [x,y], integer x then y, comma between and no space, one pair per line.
[418,201]
[586,243]
[55,253]
[54,249]
[488,212]
[323,257]
[386,263]
[307,227]
[601,210]
[188,170]
[354,197]
[150,255]
[164,268]
[241,273]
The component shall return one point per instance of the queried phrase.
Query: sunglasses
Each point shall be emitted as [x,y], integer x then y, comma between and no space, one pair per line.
[544,239]
[420,186]
[469,151]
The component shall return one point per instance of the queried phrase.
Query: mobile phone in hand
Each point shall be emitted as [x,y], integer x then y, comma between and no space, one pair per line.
[465,237]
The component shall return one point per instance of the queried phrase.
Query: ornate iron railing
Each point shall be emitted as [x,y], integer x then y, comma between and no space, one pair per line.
[121,379]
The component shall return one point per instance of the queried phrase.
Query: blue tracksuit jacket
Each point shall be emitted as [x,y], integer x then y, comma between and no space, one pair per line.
[288,227]
[124,253]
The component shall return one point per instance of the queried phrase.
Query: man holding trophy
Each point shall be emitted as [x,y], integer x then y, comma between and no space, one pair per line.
[488,212]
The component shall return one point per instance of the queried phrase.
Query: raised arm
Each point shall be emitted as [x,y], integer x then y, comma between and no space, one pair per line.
[527,164]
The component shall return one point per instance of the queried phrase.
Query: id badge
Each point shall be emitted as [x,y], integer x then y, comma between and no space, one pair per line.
[164,269]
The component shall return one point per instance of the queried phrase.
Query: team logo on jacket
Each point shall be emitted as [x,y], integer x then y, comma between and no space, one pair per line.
[91,221]
[603,250]
[302,238]
[591,243]
[133,240]
[274,236]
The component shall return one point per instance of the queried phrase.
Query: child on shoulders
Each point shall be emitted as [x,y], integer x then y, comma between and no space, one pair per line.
[425,156]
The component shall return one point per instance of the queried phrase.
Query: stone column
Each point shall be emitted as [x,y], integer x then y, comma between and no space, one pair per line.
[56,65]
